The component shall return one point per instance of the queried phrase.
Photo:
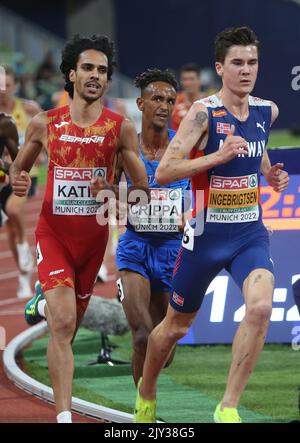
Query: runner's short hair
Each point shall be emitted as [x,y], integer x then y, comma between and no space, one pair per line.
[76,46]
[243,36]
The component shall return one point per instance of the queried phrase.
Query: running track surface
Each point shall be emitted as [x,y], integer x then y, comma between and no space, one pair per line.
[15,405]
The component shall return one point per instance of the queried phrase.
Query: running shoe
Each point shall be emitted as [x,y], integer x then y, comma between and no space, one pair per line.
[145,410]
[32,315]
[228,415]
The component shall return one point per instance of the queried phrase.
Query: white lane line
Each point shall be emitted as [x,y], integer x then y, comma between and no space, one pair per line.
[11,312]
[28,384]
[11,301]
[12,274]
[8,275]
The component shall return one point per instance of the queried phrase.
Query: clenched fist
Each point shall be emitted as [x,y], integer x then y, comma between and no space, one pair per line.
[233,146]
[277,178]
[21,184]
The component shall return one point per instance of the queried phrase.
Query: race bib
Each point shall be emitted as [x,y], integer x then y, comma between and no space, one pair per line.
[71,190]
[233,199]
[188,237]
[162,214]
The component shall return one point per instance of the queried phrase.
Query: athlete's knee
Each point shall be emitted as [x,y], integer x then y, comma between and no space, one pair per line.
[175,332]
[12,211]
[259,312]
[63,325]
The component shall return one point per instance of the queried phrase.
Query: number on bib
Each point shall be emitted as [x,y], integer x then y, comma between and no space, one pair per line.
[188,237]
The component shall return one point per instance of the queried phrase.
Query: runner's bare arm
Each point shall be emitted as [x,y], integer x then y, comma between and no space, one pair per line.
[174,165]
[119,170]
[35,139]
[128,148]
[265,163]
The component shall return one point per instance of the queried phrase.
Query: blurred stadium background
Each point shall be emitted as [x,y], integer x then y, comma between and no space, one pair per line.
[168,34]
[165,34]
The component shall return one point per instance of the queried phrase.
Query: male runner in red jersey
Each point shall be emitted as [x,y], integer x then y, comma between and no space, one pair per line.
[82,140]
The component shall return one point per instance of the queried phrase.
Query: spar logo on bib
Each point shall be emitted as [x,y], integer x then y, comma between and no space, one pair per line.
[100,172]
[174,194]
[74,174]
[253,181]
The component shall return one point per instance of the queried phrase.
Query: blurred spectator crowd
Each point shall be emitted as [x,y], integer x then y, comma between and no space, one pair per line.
[44,83]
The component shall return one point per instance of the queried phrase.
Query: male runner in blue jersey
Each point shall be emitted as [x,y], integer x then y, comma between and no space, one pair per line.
[225,136]
[147,251]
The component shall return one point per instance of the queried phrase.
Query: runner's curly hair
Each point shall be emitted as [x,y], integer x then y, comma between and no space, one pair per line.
[155,75]
[76,46]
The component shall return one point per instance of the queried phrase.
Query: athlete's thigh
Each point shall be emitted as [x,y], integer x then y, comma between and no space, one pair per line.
[136,299]
[162,266]
[133,255]
[15,204]
[193,273]
[255,255]
[55,266]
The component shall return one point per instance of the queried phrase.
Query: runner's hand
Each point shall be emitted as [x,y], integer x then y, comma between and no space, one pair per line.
[233,146]
[277,178]
[21,184]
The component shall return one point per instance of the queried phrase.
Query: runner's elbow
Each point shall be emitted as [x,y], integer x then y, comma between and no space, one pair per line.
[161,175]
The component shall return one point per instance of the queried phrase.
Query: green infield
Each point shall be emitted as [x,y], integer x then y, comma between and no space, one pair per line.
[190,388]
[283,138]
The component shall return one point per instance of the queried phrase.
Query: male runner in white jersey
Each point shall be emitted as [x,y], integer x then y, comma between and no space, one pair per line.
[225,136]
